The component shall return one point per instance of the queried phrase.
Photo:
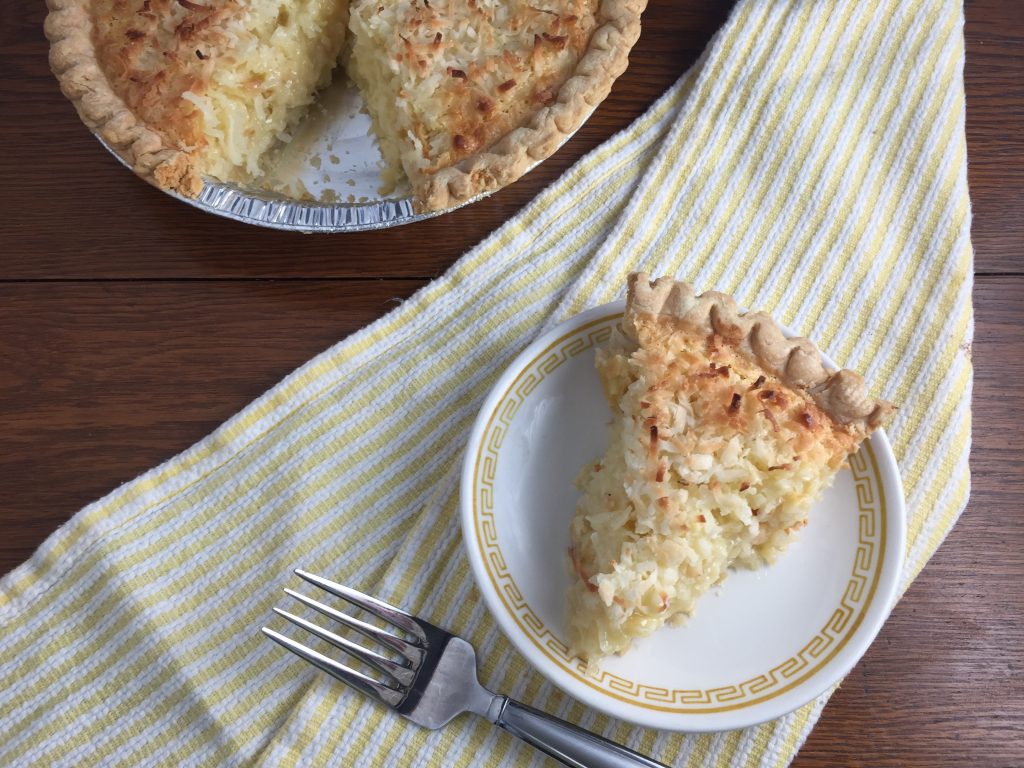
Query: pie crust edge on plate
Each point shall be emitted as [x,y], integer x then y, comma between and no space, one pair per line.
[74,61]
[796,361]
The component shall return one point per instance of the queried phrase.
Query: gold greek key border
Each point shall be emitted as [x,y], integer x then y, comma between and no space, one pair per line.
[813,656]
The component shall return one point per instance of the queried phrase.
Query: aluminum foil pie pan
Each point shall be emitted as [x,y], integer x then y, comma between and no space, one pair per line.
[326,178]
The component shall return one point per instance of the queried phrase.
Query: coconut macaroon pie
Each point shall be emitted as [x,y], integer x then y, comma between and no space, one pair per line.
[723,433]
[465,95]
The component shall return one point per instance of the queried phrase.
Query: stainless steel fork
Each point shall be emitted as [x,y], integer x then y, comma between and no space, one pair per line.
[431,678]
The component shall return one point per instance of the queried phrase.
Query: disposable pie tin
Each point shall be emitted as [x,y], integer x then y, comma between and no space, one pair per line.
[326,178]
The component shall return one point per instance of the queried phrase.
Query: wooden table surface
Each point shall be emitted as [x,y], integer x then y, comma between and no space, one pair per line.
[132,325]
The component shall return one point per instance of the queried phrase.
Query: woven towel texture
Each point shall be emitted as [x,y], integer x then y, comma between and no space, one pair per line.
[812,163]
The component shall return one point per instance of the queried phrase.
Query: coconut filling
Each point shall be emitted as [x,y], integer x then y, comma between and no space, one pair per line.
[684,492]
[265,80]
[378,80]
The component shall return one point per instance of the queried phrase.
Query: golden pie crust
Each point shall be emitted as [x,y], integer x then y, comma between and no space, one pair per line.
[101,54]
[155,153]
[796,361]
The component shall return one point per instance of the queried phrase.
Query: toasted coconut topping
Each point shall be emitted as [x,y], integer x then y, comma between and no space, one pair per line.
[211,87]
[466,95]
[462,69]
[796,361]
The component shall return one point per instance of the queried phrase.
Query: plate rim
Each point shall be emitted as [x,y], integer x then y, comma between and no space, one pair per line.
[791,697]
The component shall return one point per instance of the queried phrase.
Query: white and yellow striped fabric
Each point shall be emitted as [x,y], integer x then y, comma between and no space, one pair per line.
[812,163]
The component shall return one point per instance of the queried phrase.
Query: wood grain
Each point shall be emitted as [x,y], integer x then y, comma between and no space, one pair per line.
[102,381]
[130,326]
[942,683]
[994,80]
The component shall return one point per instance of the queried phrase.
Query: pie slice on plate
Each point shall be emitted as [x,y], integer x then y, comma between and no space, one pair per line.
[723,433]
[465,95]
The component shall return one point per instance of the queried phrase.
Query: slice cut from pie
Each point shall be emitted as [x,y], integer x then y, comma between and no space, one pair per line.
[723,433]
[465,95]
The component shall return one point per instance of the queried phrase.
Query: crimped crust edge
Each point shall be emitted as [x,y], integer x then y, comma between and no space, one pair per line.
[73,60]
[605,59]
[796,361]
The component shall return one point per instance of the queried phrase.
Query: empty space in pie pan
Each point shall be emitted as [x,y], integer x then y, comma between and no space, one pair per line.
[334,159]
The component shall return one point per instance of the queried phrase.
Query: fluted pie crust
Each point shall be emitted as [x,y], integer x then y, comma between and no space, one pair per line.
[723,433]
[796,361]
[498,114]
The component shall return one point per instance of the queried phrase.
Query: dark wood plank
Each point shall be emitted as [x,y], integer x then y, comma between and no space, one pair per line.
[101,381]
[994,81]
[53,169]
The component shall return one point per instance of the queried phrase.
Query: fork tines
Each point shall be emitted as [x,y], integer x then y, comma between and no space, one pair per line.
[399,674]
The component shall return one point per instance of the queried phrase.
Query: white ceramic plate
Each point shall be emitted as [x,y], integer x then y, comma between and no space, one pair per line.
[760,645]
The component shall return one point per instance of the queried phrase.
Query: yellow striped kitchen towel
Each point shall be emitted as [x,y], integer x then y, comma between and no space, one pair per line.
[812,163]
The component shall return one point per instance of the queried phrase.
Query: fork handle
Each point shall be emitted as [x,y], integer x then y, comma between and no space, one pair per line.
[565,742]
